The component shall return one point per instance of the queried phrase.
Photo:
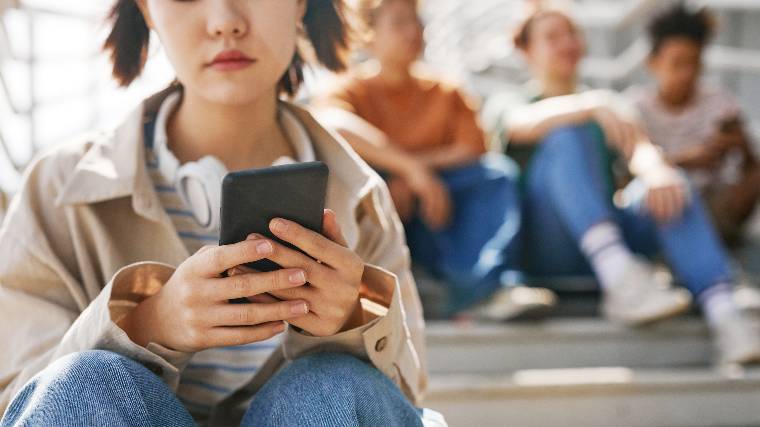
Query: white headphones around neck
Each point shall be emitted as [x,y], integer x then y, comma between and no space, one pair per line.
[197,183]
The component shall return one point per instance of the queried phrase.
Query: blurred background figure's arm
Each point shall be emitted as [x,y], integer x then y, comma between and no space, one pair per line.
[408,178]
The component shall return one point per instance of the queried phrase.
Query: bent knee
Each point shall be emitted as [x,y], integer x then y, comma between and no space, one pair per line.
[333,365]
[92,359]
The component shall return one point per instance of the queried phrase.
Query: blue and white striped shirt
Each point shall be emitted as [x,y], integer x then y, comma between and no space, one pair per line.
[214,374]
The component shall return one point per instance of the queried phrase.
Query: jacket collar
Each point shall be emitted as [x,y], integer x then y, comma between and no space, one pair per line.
[114,163]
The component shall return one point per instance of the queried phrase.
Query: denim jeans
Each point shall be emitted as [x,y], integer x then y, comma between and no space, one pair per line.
[566,194]
[479,250]
[99,388]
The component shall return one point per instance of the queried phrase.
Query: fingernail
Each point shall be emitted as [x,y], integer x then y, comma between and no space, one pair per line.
[299,308]
[264,248]
[279,328]
[279,226]
[254,236]
[297,278]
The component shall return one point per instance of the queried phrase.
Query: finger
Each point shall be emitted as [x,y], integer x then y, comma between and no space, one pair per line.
[256,314]
[619,133]
[213,260]
[631,138]
[317,246]
[297,293]
[317,274]
[665,205]
[680,203]
[428,205]
[331,228]
[240,335]
[439,214]
[676,201]
[611,131]
[654,205]
[244,285]
[304,293]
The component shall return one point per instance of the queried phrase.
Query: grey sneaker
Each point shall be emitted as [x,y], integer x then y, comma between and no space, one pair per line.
[517,302]
[737,341]
[643,297]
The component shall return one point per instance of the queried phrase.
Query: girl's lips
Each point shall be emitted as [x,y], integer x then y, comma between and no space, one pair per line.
[231,60]
[231,65]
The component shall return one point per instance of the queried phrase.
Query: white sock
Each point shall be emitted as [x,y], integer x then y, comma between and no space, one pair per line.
[718,304]
[605,249]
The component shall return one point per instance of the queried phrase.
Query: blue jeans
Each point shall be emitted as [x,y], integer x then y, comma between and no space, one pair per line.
[101,388]
[479,250]
[566,194]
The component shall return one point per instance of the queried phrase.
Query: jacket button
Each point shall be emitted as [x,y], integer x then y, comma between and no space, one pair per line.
[380,344]
[155,369]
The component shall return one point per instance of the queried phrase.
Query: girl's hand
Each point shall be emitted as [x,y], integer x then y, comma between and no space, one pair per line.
[192,313]
[333,291]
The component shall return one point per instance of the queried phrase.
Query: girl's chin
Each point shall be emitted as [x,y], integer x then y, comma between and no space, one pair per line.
[233,97]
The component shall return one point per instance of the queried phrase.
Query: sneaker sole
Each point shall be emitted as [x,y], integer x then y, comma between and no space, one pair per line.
[526,312]
[531,312]
[749,359]
[675,311]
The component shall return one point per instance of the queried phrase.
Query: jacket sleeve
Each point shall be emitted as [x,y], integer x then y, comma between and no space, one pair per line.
[47,312]
[393,336]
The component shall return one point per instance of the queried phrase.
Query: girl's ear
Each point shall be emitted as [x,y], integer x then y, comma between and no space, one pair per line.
[143,6]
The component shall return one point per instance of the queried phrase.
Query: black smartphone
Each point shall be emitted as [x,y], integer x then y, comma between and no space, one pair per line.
[252,198]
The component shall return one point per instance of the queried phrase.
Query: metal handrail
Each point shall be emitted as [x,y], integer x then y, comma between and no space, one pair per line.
[7,53]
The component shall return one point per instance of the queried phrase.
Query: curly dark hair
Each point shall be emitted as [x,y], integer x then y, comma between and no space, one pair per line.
[679,21]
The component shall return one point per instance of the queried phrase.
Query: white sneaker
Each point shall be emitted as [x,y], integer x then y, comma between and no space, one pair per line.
[737,340]
[643,296]
[747,298]
[517,302]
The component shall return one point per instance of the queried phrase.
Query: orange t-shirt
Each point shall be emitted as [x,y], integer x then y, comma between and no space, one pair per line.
[421,115]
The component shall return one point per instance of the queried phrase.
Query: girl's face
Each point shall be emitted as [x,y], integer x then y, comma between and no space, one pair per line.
[677,66]
[397,37]
[555,47]
[227,51]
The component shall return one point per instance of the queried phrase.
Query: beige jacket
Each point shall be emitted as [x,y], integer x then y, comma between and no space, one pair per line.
[86,239]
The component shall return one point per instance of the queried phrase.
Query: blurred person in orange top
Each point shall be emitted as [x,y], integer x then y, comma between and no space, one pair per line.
[459,205]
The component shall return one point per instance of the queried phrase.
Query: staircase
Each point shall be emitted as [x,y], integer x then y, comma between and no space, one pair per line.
[585,372]
[580,370]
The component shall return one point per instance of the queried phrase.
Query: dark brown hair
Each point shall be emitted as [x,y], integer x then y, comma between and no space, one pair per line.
[679,21]
[325,26]
[524,30]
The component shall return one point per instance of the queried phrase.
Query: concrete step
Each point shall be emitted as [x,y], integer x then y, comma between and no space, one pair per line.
[469,348]
[599,397]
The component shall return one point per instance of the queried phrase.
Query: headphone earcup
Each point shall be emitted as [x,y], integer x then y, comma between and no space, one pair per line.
[199,185]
